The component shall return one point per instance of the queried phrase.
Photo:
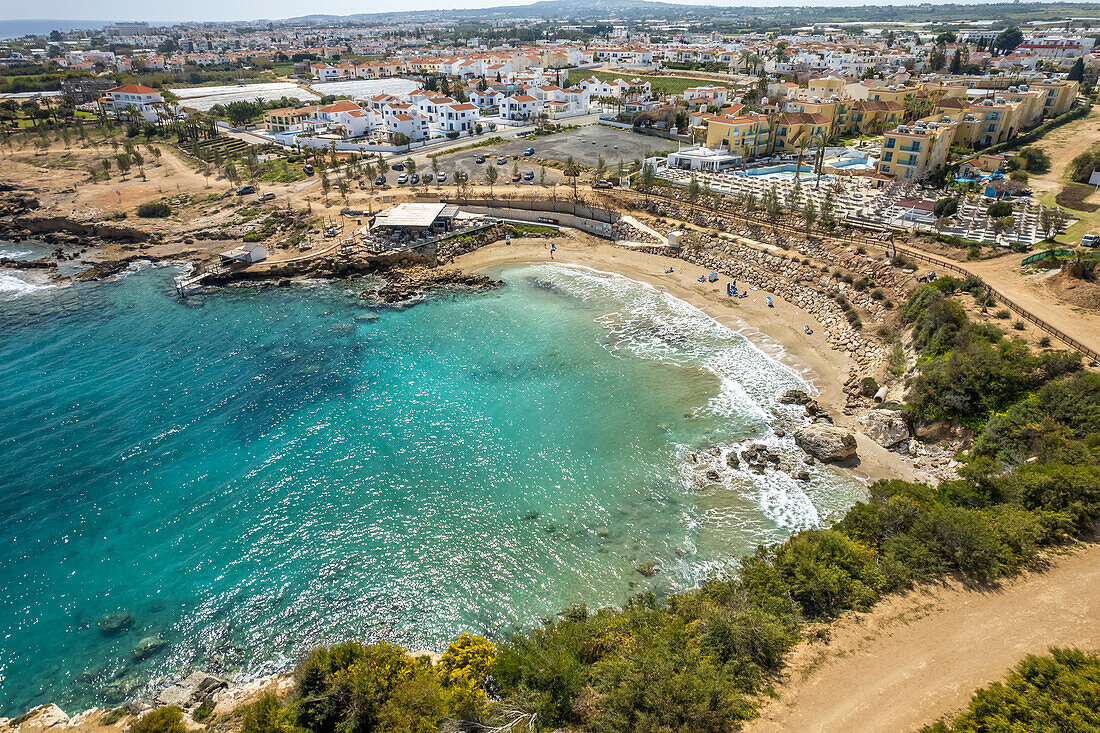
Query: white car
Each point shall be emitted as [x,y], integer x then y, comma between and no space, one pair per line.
[1089,240]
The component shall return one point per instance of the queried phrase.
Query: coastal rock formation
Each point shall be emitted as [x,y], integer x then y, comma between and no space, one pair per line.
[406,284]
[649,569]
[147,647]
[886,427]
[195,689]
[26,227]
[39,718]
[826,442]
[795,397]
[115,623]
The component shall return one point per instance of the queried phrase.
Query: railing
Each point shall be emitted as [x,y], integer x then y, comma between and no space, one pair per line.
[917,255]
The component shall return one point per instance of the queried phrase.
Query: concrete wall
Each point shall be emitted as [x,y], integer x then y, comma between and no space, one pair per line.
[598,228]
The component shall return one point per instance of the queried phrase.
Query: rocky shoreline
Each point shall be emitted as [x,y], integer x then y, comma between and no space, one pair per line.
[201,697]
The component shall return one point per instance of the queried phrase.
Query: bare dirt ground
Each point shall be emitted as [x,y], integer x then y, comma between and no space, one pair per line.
[918,657]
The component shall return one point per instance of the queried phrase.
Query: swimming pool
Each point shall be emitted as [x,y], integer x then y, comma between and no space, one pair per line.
[783,171]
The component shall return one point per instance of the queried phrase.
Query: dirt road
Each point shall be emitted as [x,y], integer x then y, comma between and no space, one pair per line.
[919,657]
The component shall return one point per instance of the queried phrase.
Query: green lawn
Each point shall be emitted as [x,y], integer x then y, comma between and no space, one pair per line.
[660,84]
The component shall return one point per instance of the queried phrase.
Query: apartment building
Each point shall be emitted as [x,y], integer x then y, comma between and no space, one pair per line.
[287,119]
[795,131]
[749,136]
[913,152]
[867,117]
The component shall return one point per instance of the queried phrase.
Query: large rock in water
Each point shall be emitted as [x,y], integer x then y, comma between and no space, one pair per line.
[147,647]
[115,623]
[794,397]
[826,442]
[886,427]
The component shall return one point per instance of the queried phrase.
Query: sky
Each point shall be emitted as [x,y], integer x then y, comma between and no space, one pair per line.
[185,10]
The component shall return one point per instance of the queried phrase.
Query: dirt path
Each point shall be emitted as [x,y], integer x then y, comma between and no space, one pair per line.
[1005,274]
[1062,145]
[919,657]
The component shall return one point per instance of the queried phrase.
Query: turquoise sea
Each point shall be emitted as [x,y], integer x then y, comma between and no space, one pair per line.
[251,472]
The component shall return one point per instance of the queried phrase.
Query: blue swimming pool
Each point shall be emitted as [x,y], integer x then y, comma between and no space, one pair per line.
[785,170]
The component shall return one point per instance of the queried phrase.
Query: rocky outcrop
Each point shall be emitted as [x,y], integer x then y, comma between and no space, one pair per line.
[41,263]
[795,397]
[42,717]
[115,623]
[886,427]
[402,285]
[148,647]
[27,227]
[826,442]
[195,689]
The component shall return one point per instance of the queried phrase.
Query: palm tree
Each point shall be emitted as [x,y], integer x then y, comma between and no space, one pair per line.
[491,175]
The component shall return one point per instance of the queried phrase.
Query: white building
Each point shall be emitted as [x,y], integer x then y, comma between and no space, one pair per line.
[141,100]
[520,108]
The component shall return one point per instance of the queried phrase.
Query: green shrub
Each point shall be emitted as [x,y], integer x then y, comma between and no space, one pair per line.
[998,209]
[162,720]
[203,711]
[828,573]
[113,716]
[154,210]
[1058,692]
[267,715]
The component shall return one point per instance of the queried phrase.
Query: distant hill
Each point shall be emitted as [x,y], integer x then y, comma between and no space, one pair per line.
[591,10]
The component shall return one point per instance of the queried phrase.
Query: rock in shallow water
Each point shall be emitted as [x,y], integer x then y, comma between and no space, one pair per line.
[147,647]
[115,623]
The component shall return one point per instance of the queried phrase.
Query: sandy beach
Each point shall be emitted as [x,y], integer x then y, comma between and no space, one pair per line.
[778,331]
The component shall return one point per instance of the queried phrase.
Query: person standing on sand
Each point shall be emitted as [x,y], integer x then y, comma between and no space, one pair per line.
[552,248]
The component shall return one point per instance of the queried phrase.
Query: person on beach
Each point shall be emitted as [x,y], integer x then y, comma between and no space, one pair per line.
[552,248]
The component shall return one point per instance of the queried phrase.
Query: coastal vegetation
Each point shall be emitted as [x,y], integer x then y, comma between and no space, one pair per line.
[1055,692]
[699,660]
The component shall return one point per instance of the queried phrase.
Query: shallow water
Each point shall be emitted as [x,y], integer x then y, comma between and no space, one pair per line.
[251,472]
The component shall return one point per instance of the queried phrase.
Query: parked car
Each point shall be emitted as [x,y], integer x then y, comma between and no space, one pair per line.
[501,160]
[529,176]
[479,159]
[403,178]
[528,152]
[603,183]
[1090,240]
[397,167]
[516,177]
[380,181]
[428,178]
[415,179]
[267,196]
[307,169]
[246,189]
[443,176]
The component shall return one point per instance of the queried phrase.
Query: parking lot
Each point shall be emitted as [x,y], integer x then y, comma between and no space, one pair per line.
[585,144]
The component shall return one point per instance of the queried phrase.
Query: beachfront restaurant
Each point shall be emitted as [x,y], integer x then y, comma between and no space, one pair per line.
[703,159]
[411,221]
